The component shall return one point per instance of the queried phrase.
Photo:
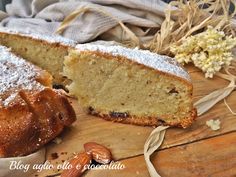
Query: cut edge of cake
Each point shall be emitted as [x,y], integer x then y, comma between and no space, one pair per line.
[117,58]
[45,51]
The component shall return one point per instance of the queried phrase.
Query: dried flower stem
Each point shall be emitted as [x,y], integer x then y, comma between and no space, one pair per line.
[229,108]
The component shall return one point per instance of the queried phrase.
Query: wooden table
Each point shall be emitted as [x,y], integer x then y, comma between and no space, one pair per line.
[196,151]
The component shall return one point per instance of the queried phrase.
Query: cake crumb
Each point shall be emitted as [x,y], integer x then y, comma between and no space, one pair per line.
[57,140]
[213,124]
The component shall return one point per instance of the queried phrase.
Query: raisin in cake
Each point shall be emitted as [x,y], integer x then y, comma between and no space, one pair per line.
[130,85]
[45,51]
[31,112]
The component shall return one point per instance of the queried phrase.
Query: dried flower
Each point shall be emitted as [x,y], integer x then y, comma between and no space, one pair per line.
[209,51]
[213,124]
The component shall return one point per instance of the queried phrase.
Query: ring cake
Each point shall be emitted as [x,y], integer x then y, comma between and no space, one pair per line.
[130,85]
[31,112]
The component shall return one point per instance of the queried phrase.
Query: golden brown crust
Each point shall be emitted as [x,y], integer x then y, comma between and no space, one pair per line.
[35,118]
[31,113]
[145,121]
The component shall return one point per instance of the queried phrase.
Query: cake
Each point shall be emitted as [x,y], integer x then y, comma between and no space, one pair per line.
[31,112]
[130,85]
[119,84]
[45,51]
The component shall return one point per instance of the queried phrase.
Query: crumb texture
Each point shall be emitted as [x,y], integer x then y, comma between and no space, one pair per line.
[115,87]
[47,52]
[145,57]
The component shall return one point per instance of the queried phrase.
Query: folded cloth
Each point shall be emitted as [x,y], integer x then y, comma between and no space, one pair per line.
[99,20]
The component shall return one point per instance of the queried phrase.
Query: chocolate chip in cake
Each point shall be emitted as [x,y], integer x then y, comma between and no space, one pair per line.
[92,111]
[173,90]
[119,114]
[162,122]
[148,82]
[58,86]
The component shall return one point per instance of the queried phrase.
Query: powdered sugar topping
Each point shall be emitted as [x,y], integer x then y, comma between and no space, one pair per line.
[160,62]
[38,36]
[15,74]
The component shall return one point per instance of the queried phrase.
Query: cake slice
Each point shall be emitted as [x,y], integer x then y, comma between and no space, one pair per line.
[130,85]
[45,51]
[31,112]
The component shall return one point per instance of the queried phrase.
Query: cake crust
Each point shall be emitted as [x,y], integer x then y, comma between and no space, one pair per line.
[31,112]
[32,120]
[150,121]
